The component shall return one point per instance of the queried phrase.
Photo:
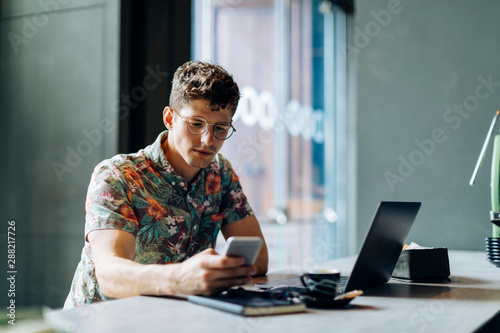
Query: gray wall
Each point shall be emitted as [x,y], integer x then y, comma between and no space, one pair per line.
[58,91]
[413,70]
[80,80]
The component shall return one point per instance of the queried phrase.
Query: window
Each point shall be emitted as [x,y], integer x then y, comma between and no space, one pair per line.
[289,149]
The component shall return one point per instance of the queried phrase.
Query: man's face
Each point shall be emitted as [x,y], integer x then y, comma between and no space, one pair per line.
[188,151]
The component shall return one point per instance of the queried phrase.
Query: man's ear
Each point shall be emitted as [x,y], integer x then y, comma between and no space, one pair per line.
[168,117]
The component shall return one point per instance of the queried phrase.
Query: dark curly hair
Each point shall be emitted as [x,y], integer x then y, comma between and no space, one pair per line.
[201,80]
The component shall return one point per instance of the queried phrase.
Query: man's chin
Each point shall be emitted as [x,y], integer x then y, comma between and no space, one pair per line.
[201,163]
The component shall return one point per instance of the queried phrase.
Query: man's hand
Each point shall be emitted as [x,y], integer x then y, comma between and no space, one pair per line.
[209,273]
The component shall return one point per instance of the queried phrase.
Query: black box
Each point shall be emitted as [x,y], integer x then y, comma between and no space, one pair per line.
[423,264]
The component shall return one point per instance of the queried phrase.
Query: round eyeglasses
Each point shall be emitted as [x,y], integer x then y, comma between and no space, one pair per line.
[198,125]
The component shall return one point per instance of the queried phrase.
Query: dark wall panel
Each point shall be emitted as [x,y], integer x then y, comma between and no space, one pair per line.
[58,92]
[156,39]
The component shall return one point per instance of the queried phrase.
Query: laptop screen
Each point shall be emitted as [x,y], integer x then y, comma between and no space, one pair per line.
[383,244]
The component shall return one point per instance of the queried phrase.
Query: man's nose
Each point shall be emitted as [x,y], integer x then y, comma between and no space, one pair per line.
[208,137]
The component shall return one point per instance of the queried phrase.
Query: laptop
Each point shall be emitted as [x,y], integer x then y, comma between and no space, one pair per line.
[380,251]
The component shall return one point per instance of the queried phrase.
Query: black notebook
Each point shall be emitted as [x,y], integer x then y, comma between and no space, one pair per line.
[252,304]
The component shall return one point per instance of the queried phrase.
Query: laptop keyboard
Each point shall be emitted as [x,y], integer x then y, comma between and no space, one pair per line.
[342,283]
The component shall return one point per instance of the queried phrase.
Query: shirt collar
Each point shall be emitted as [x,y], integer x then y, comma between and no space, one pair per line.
[166,170]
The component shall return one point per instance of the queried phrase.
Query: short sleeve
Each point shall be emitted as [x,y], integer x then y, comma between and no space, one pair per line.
[109,202]
[234,202]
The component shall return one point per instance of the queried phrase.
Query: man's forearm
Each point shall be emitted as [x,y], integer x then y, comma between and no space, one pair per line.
[120,277]
[262,262]
[205,273]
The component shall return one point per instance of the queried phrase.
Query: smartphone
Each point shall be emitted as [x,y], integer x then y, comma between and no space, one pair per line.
[247,247]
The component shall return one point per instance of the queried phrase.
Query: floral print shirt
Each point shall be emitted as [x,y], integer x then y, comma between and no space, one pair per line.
[171,220]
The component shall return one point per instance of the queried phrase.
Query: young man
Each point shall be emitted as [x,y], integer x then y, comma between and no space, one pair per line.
[153,217]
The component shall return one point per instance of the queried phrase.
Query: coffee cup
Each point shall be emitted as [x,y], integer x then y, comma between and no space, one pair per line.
[321,283]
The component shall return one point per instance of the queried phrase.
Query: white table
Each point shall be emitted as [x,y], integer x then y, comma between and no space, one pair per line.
[462,305]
